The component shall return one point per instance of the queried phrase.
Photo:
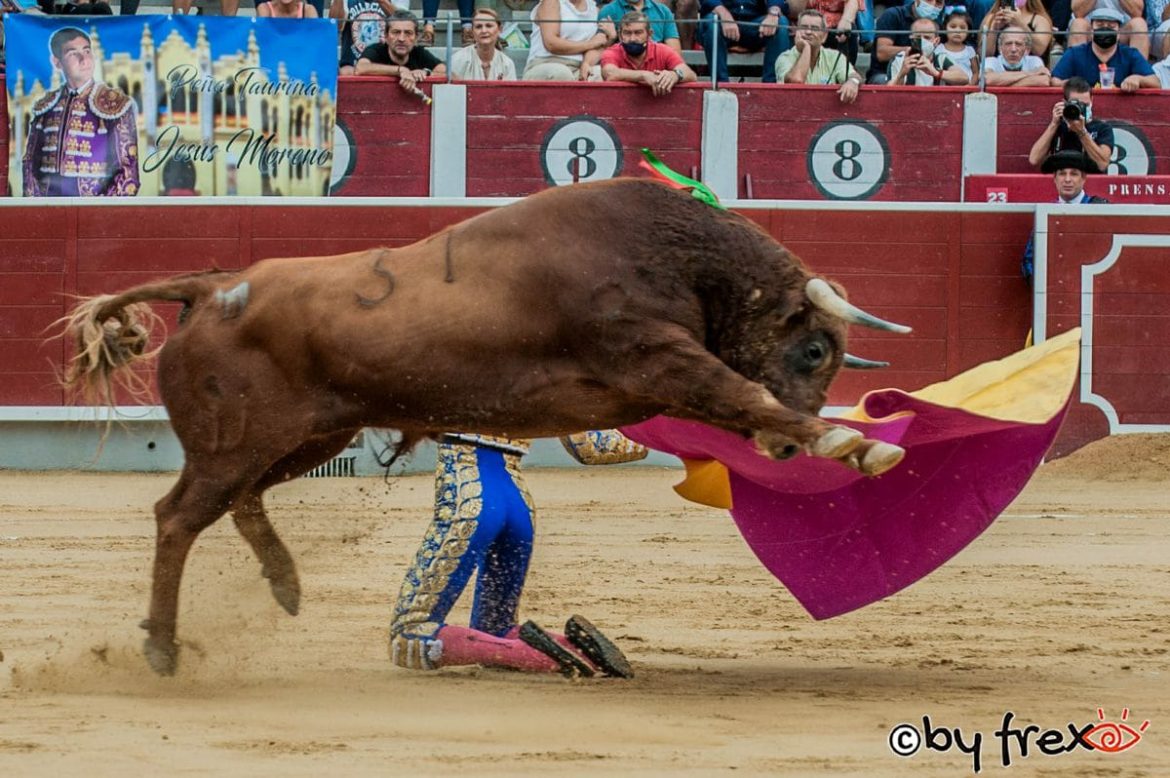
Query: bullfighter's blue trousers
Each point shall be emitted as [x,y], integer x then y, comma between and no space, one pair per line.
[483,522]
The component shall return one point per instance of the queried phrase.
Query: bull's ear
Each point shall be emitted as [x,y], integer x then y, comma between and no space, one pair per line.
[826,298]
[861,363]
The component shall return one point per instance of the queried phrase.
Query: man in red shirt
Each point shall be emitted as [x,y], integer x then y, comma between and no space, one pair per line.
[639,60]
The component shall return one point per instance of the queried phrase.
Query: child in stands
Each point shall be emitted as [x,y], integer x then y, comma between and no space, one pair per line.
[957,40]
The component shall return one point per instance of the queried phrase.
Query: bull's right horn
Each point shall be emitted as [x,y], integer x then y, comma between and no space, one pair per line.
[826,298]
[861,363]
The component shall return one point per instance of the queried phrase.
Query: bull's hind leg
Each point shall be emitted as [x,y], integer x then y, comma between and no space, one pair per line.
[198,499]
[248,514]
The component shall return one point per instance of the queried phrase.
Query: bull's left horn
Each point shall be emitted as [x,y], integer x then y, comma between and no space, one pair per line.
[826,298]
[861,363]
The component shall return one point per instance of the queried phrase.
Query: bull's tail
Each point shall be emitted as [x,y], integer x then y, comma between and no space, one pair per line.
[110,336]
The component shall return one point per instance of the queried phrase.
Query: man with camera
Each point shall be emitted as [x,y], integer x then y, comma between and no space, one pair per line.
[1072,128]
[894,36]
[925,62]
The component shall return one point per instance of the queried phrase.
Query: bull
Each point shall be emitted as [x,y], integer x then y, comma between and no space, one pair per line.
[535,319]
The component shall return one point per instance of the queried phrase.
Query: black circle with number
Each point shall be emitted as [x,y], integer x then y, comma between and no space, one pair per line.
[582,150]
[847,165]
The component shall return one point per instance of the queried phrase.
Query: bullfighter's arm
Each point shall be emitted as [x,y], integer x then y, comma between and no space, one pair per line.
[125,133]
[603,447]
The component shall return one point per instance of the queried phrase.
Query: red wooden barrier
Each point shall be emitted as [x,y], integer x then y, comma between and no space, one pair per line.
[521,137]
[1040,189]
[894,143]
[952,275]
[795,142]
[1124,306]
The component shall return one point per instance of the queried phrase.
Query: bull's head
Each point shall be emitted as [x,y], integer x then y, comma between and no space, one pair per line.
[804,353]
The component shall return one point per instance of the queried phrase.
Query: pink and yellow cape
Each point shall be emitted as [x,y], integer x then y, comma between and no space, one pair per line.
[840,540]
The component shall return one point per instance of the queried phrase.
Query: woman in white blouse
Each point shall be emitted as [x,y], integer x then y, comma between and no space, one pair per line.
[483,60]
[567,41]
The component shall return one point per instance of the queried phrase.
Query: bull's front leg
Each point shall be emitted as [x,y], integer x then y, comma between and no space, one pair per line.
[691,380]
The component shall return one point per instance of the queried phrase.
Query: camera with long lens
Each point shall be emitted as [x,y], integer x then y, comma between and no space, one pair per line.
[1074,110]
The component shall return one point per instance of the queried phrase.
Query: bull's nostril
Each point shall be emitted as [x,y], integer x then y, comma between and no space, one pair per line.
[789,451]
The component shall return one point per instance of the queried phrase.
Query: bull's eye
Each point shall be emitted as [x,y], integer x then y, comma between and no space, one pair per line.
[815,353]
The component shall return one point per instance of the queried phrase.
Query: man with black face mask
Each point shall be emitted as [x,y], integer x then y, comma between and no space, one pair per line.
[1075,133]
[1123,64]
[639,60]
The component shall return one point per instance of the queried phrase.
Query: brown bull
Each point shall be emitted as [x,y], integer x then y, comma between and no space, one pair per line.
[538,319]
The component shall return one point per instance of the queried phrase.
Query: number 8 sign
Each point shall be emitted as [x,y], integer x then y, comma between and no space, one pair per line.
[848,160]
[584,145]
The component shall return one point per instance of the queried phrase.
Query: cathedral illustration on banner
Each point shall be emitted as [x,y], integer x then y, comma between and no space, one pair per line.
[180,122]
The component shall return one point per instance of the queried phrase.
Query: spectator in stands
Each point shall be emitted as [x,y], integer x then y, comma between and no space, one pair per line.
[1027,15]
[483,60]
[663,28]
[1074,130]
[363,24]
[1015,66]
[638,59]
[400,55]
[1128,65]
[1069,170]
[264,9]
[1129,15]
[809,62]
[924,62]
[840,17]
[286,9]
[1162,71]
[567,41]
[686,16]
[750,25]
[77,7]
[1158,19]
[957,40]
[431,10]
[894,37]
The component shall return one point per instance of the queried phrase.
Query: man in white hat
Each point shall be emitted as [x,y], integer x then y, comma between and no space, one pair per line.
[1097,42]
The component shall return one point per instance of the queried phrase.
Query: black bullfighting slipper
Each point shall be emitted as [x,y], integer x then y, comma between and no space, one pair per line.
[543,642]
[597,648]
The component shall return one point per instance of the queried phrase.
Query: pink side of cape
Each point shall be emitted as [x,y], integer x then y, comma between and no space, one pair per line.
[839,540]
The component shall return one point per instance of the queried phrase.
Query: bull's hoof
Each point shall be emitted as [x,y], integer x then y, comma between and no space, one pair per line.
[775,446]
[880,458]
[286,588]
[163,656]
[837,442]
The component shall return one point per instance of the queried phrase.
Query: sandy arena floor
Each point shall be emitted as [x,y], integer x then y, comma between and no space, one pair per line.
[1061,608]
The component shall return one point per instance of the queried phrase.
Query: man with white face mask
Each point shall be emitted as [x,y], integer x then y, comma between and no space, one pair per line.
[924,63]
[1015,66]
[894,37]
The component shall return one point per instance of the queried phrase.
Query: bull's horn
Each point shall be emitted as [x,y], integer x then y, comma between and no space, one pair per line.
[860,363]
[826,298]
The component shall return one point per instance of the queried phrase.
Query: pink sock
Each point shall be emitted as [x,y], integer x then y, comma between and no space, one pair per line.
[465,646]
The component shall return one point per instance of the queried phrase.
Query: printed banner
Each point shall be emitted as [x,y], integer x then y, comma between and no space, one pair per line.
[161,105]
